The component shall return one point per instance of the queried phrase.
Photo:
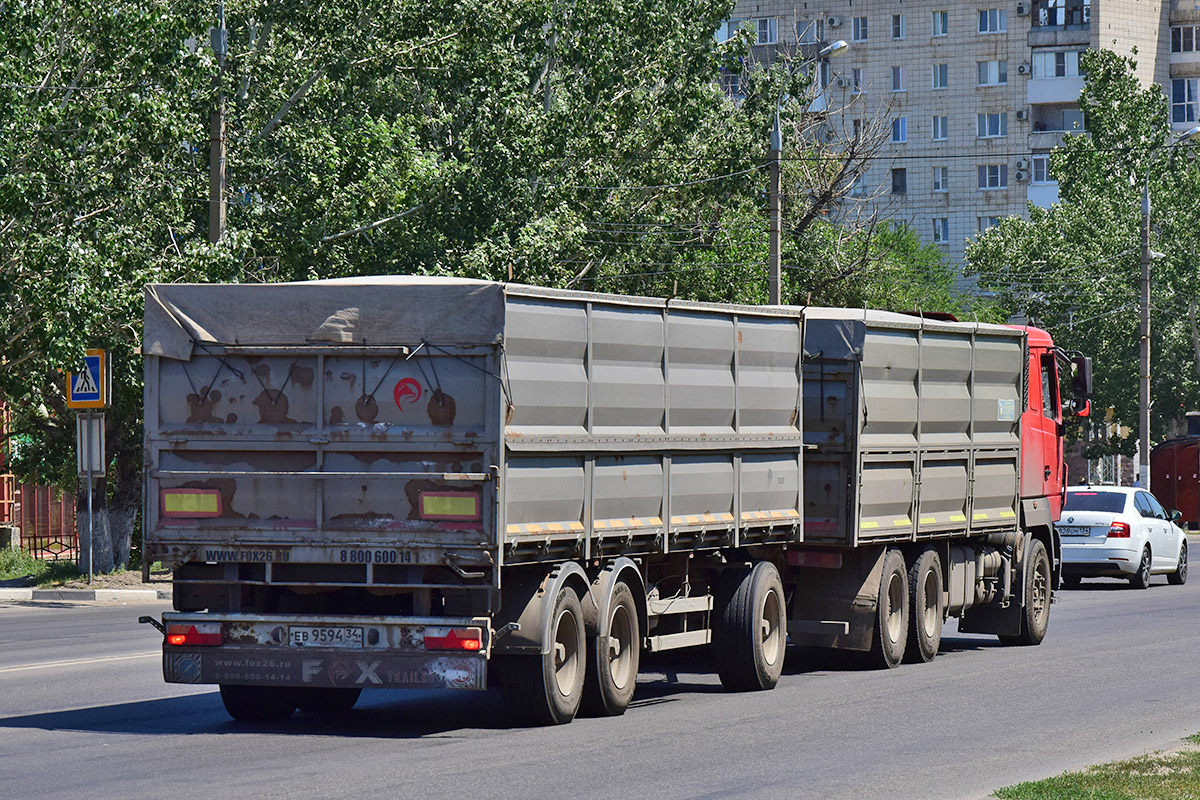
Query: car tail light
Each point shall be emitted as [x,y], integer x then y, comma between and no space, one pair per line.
[453,639]
[203,634]
[1118,530]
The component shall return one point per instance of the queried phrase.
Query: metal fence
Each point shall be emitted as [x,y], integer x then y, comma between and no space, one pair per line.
[47,521]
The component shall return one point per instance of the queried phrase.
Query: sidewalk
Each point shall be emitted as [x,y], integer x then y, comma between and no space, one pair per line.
[97,595]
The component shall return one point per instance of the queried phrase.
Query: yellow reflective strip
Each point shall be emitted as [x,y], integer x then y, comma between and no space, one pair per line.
[868,524]
[655,521]
[747,515]
[709,518]
[791,512]
[726,517]
[1008,514]
[616,523]
[692,519]
[513,529]
[903,521]
[979,515]
[957,518]
[191,503]
[761,514]
[534,528]
[599,524]
[554,526]
[676,520]
[928,520]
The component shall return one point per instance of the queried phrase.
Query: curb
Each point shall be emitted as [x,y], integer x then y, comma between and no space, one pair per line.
[84,595]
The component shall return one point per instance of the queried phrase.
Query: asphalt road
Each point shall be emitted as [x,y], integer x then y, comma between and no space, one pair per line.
[84,713]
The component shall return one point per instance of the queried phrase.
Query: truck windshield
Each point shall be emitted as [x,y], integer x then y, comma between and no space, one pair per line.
[1095,501]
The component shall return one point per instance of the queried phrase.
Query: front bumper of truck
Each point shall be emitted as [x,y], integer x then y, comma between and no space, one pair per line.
[326,650]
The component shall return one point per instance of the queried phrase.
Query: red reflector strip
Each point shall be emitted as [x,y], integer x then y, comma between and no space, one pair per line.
[453,639]
[190,503]
[203,634]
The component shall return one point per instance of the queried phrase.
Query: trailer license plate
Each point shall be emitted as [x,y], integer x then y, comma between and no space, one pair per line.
[318,636]
[1073,530]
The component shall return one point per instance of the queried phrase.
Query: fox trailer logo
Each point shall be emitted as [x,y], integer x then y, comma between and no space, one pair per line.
[408,390]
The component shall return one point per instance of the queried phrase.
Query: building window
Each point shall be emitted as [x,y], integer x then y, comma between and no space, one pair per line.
[859,29]
[900,130]
[1185,38]
[810,31]
[897,79]
[1063,12]
[1062,64]
[983,223]
[941,76]
[941,230]
[993,176]
[992,73]
[941,179]
[1185,99]
[993,125]
[768,31]
[1041,169]
[941,23]
[941,129]
[728,28]
[993,20]
[858,127]
[899,180]
[897,26]
[856,80]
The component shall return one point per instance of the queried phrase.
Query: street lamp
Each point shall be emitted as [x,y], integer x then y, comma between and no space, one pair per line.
[774,272]
[1144,369]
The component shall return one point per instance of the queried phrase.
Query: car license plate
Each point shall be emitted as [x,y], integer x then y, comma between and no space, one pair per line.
[324,636]
[1074,530]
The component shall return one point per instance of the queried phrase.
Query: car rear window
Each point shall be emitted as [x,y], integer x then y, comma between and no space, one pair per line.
[1095,501]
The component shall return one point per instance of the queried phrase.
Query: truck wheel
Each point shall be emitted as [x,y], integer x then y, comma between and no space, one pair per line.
[258,703]
[1035,615]
[926,607]
[750,630]
[612,664]
[1179,576]
[325,700]
[547,689]
[891,615]
[1141,578]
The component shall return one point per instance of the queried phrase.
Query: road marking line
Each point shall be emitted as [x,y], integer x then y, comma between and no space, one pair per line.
[73,662]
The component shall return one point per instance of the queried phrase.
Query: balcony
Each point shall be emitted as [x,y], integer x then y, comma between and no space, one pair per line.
[1060,23]
[1053,90]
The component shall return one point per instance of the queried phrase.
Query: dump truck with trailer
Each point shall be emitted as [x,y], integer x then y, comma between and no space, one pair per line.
[422,482]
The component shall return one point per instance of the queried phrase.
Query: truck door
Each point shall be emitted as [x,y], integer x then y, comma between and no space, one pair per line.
[1042,462]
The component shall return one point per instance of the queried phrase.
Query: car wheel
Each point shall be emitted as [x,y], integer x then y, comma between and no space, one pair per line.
[1179,576]
[1141,578]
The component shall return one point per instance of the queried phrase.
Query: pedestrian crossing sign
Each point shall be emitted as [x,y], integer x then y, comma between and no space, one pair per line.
[89,388]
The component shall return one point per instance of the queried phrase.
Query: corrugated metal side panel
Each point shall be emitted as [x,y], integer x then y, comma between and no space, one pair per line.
[545,349]
[994,502]
[700,364]
[886,497]
[889,388]
[996,402]
[945,485]
[768,377]
[945,390]
[628,387]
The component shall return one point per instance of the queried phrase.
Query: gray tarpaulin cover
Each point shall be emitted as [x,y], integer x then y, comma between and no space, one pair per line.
[378,310]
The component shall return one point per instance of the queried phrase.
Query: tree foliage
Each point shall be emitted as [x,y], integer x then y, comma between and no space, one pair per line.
[1075,268]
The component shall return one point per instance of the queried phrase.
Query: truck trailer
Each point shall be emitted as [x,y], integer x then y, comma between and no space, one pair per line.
[414,482]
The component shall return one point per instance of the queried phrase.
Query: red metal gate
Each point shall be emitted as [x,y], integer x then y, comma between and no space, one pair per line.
[48,523]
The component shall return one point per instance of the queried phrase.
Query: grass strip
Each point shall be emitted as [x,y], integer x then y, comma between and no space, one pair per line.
[1171,775]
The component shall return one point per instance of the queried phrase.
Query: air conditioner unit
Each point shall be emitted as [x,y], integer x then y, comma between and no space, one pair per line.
[1022,9]
[842,80]
[1022,165]
[1023,114]
[834,22]
[1023,69]
[1022,175]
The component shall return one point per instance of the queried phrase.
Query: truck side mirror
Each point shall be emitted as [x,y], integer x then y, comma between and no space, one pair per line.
[1081,380]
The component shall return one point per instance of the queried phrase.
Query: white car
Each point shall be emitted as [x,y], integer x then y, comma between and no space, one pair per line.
[1118,531]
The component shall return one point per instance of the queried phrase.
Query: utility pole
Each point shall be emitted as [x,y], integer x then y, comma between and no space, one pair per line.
[1144,363]
[774,271]
[216,139]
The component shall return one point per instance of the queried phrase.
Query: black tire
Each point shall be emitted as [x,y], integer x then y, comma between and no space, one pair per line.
[612,664]
[1179,576]
[322,700]
[258,703]
[891,614]
[1035,611]
[1071,581]
[750,628]
[547,689]
[926,608]
[1141,578]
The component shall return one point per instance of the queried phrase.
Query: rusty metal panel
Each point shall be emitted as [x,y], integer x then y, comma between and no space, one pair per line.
[700,365]
[826,499]
[628,388]
[217,394]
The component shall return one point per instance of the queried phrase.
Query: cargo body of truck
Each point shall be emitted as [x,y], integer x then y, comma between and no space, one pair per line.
[416,482]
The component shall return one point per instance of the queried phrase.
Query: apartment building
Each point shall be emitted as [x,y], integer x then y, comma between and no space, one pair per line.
[976,94]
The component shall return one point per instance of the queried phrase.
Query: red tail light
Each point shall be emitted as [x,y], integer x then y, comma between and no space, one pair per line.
[453,638]
[203,634]
[1118,530]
